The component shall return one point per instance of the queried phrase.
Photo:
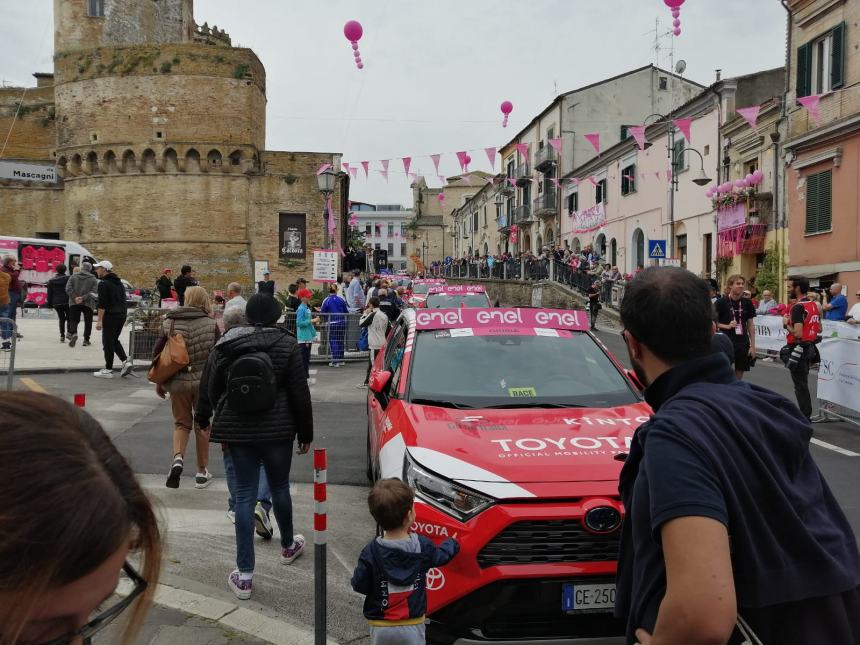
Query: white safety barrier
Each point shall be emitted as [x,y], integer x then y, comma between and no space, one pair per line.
[839,379]
[770,333]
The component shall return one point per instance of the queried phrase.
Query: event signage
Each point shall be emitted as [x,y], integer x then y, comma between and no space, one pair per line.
[471,318]
[731,217]
[28,172]
[292,236]
[325,265]
[839,372]
[589,219]
[770,332]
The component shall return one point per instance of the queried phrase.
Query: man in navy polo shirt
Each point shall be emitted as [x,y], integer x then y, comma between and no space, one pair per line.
[728,517]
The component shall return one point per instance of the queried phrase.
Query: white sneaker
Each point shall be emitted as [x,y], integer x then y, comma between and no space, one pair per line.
[103,373]
[202,480]
[126,368]
[231,515]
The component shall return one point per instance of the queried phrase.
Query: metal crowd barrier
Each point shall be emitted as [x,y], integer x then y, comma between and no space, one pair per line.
[8,334]
[336,338]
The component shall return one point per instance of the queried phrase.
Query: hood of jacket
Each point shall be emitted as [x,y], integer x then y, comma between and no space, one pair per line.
[234,333]
[113,278]
[186,313]
[247,339]
[401,567]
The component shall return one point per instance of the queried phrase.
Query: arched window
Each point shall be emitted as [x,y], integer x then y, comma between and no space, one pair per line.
[110,162]
[600,246]
[171,162]
[147,160]
[638,246]
[92,163]
[236,158]
[192,161]
[129,161]
[613,252]
[214,158]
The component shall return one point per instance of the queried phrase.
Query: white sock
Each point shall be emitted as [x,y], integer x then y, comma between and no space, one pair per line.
[246,576]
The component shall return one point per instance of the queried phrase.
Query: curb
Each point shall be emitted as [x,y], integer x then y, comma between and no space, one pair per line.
[230,615]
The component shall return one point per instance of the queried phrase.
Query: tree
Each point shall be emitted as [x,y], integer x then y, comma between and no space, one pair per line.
[772,267]
[355,240]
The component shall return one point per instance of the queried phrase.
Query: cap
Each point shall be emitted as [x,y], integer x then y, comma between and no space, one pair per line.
[262,309]
[168,271]
[104,264]
[305,293]
[301,281]
[266,273]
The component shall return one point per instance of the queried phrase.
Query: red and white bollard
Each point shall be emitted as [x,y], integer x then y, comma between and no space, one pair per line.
[320,496]
[80,400]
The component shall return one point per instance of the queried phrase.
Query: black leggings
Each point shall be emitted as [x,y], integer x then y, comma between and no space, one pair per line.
[63,317]
[111,330]
[75,313]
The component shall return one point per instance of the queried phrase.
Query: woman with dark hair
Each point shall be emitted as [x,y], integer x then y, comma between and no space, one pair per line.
[72,513]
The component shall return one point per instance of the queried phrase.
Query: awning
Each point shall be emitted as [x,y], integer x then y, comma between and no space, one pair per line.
[813,273]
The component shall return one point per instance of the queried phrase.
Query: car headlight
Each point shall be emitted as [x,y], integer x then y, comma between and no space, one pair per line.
[448,497]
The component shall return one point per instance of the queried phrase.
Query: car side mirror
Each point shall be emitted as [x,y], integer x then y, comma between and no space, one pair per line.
[379,381]
[635,380]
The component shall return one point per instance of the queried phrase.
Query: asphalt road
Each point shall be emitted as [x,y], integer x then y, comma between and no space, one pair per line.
[200,539]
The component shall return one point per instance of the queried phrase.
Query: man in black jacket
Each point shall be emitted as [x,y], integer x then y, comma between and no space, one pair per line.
[58,299]
[185,280]
[164,284]
[258,435]
[265,285]
[111,318]
[728,517]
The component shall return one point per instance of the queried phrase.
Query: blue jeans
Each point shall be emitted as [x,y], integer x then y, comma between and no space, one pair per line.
[277,457]
[14,301]
[264,496]
[5,328]
[336,337]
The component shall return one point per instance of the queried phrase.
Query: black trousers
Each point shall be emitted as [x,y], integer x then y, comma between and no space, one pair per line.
[63,318]
[75,313]
[111,329]
[800,378]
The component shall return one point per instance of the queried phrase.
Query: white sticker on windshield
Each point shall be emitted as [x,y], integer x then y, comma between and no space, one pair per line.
[546,332]
[459,333]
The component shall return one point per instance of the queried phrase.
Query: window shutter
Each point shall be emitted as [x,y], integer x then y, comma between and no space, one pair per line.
[804,70]
[837,58]
[825,193]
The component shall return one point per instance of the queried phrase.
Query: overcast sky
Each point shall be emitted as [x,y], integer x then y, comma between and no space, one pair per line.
[436,71]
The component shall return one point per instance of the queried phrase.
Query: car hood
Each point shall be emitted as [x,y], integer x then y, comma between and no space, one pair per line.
[536,448]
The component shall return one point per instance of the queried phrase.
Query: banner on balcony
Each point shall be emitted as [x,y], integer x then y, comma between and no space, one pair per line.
[731,217]
[589,219]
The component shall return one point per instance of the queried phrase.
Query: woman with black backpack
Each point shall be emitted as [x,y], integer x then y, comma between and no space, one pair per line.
[254,385]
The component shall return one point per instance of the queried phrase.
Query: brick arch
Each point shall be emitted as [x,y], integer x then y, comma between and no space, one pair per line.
[62,166]
[148,161]
[76,165]
[214,160]
[170,160]
[91,163]
[192,160]
[236,158]
[129,162]
[110,164]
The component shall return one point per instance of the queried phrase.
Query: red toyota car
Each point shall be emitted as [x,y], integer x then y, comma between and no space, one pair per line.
[510,424]
[451,296]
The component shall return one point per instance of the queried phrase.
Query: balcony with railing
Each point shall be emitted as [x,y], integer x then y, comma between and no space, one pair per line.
[522,213]
[545,159]
[523,174]
[545,205]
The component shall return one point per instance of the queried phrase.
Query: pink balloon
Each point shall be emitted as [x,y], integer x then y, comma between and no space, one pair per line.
[355,46]
[353,31]
[740,183]
[758,175]
[750,180]
[677,31]
[356,54]
[360,65]
[676,22]
[507,107]
[673,4]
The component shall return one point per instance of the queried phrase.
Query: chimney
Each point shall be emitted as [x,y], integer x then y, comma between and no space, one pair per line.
[719,75]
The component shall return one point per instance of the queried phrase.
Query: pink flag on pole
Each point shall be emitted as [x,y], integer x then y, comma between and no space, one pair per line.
[684,126]
[384,163]
[556,144]
[491,155]
[384,173]
[461,157]
[331,223]
[366,166]
[523,149]
[353,170]
[407,161]
[750,114]
[323,168]
[436,159]
[811,103]
[594,139]
[638,133]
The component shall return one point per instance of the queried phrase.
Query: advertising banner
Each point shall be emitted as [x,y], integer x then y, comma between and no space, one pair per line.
[769,334]
[839,372]
[589,219]
[292,236]
[325,265]
[731,217]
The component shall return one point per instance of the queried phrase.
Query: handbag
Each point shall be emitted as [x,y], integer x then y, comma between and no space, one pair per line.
[363,343]
[172,358]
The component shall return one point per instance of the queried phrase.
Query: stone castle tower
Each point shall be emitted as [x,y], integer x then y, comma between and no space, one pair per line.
[157,128]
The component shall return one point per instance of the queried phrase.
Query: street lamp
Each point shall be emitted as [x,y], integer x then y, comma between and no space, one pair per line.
[701,179]
[326,182]
[661,117]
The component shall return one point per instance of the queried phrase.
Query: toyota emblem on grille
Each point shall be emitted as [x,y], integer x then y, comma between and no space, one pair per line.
[435,580]
[603,519]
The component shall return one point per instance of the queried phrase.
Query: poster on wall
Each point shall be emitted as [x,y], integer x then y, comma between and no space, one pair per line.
[292,236]
[260,267]
[588,220]
[325,265]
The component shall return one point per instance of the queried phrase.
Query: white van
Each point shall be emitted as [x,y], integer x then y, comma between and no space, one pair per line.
[38,259]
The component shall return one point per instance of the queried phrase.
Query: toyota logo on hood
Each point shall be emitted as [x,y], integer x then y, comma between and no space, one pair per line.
[603,519]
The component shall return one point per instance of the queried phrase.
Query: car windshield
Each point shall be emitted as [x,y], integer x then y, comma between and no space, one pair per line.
[515,371]
[454,301]
[422,288]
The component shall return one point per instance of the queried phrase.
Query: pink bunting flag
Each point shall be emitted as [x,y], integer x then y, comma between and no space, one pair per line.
[466,179]
[384,163]
[593,180]
[345,165]
[657,174]
[366,166]
[684,125]
[436,159]
[555,182]
[523,149]
[461,157]
[638,133]
[490,180]
[384,173]
[353,170]
[323,168]
[556,145]
[407,162]
[443,180]
[441,197]
[669,175]
[750,114]
[594,139]
[413,176]
[491,155]
[340,249]
[811,103]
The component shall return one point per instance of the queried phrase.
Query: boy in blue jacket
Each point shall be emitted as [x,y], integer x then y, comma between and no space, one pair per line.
[391,569]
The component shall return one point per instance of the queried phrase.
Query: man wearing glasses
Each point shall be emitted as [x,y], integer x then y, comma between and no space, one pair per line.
[854,314]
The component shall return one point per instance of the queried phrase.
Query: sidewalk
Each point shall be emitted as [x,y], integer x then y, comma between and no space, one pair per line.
[41,352]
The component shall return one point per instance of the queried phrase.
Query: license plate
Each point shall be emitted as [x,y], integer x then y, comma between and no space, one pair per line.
[576,597]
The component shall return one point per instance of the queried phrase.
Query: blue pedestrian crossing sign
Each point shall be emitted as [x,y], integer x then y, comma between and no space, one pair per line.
[657,249]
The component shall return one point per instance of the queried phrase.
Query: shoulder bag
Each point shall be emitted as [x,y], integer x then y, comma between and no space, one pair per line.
[172,358]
